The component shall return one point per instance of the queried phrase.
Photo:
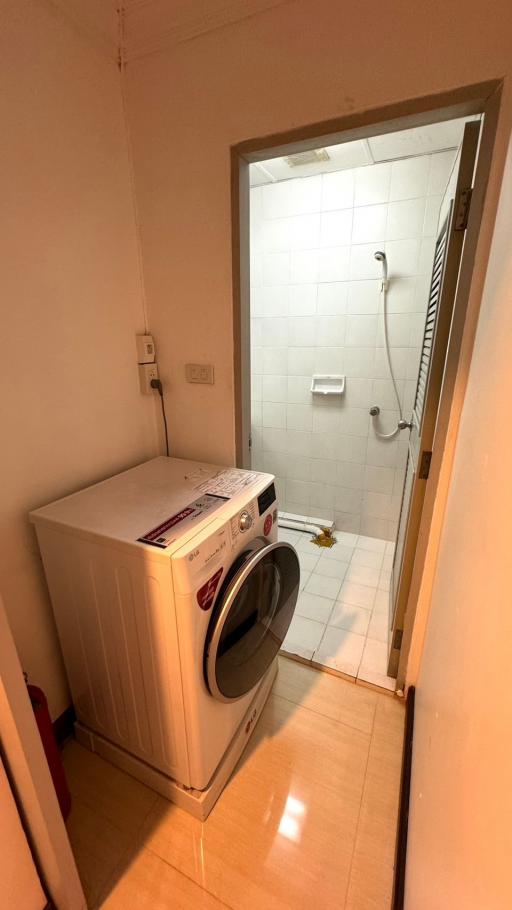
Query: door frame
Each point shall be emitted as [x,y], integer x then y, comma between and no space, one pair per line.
[29,775]
[482,98]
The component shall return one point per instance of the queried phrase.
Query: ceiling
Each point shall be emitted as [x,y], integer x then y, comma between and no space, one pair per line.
[423,140]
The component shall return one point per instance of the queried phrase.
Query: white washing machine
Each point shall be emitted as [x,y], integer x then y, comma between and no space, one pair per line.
[172,597]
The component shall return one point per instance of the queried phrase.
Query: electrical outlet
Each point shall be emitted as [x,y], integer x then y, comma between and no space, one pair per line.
[145,349]
[147,372]
[199,372]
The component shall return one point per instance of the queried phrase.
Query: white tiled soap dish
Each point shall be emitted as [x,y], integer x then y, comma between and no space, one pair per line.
[322,384]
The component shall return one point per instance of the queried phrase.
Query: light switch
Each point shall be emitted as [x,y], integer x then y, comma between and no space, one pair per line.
[199,372]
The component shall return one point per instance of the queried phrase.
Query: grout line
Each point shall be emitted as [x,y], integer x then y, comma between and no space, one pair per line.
[356,832]
[334,720]
[188,877]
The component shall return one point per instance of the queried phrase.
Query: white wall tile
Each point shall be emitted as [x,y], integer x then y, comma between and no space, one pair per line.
[348,499]
[257,387]
[256,413]
[326,420]
[298,491]
[399,329]
[301,331]
[409,178]
[338,190]
[298,389]
[299,467]
[332,298]
[383,393]
[275,332]
[369,224]
[336,228]
[299,416]
[372,184]
[403,257]
[333,263]
[324,471]
[405,219]
[401,295]
[354,421]
[274,300]
[274,360]
[276,268]
[382,452]
[431,220]
[316,306]
[361,331]
[299,442]
[292,197]
[257,301]
[363,297]
[329,360]
[399,360]
[274,388]
[304,267]
[300,361]
[363,264]
[358,393]
[378,479]
[377,505]
[350,475]
[304,232]
[273,440]
[302,299]
[426,256]
[330,331]
[440,169]
[257,360]
[359,362]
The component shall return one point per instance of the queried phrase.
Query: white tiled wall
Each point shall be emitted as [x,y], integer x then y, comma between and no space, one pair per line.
[316,308]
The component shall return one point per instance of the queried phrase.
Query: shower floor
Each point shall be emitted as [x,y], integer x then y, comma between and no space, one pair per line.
[342,613]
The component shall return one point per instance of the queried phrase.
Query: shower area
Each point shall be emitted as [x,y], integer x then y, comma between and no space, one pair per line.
[342,243]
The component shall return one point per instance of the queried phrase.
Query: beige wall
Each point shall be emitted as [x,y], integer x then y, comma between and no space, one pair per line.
[70,409]
[295,64]
[460,840]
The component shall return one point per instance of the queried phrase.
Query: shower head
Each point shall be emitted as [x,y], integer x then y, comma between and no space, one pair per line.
[381,257]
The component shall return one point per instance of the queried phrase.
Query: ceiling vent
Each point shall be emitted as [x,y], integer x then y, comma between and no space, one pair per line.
[312,157]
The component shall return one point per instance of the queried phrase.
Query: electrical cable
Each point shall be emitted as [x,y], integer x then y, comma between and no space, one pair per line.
[156,384]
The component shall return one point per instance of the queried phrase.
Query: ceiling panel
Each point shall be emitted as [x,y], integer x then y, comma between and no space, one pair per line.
[420,141]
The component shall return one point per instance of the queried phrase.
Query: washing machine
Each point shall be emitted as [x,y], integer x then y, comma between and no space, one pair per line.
[172,597]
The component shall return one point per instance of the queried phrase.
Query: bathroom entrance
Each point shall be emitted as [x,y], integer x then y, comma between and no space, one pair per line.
[355,250]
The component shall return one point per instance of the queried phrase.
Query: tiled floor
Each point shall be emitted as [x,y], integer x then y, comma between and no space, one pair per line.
[308,818]
[341,617]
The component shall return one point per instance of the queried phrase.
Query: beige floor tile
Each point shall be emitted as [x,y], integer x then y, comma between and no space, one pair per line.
[282,834]
[98,847]
[326,694]
[308,817]
[149,883]
[105,789]
[371,877]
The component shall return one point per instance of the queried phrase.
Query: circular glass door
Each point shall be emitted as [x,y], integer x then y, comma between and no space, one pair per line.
[251,618]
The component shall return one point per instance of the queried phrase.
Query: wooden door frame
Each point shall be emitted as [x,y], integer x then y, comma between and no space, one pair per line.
[482,98]
[31,783]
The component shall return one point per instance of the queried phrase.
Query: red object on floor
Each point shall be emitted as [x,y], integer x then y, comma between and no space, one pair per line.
[51,749]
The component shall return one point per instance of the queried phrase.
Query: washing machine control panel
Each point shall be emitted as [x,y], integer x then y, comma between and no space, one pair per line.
[245,521]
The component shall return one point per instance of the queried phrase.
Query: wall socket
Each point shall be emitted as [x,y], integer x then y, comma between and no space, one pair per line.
[145,348]
[199,372]
[147,372]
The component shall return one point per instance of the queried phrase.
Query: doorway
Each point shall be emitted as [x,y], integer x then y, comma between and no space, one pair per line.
[335,351]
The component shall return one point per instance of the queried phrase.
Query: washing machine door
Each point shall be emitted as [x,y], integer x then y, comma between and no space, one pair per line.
[251,618]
